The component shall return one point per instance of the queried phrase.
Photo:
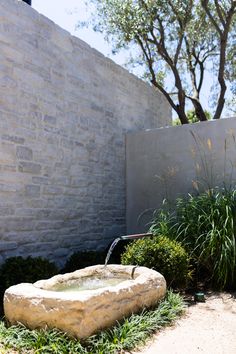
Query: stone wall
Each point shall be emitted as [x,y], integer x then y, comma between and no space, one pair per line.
[171,162]
[64,111]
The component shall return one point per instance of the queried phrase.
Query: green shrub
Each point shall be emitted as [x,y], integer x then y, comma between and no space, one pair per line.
[25,270]
[82,259]
[162,254]
[117,252]
[17,270]
[206,225]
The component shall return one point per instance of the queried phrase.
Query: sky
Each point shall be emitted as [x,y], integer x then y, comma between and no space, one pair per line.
[66,14]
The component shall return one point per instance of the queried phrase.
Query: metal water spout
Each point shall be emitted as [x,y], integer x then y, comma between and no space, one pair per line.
[124,237]
[135,236]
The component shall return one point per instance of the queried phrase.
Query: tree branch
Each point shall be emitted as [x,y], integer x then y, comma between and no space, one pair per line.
[179,46]
[191,67]
[153,75]
[198,108]
[223,46]
[218,9]
[202,71]
[211,17]
[178,108]
[161,49]
[182,24]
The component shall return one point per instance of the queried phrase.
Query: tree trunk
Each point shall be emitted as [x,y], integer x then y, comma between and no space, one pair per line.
[181,114]
[199,111]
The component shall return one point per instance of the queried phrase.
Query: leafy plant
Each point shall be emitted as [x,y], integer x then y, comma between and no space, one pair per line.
[192,117]
[175,41]
[82,259]
[206,225]
[127,335]
[19,269]
[162,254]
[28,270]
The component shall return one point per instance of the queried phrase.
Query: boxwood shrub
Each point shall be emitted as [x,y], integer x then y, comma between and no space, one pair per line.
[17,270]
[86,258]
[82,259]
[161,254]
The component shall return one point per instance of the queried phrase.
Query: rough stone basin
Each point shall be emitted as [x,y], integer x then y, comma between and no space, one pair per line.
[55,303]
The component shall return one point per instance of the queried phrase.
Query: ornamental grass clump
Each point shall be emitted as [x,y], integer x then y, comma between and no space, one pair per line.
[205,225]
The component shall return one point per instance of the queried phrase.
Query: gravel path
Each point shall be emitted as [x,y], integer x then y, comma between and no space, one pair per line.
[207,328]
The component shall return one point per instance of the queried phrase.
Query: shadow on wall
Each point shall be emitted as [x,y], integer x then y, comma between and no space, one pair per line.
[213,168]
[170,163]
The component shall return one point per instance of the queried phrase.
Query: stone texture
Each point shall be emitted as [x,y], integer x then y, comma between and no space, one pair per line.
[64,110]
[24,153]
[83,313]
[29,167]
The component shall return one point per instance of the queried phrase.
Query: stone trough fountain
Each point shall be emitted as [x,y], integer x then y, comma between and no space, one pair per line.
[85,301]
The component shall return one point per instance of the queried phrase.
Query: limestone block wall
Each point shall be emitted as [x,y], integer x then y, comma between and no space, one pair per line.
[171,162]
[64,111]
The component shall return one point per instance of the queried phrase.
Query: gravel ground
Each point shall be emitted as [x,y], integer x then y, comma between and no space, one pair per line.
[207,328]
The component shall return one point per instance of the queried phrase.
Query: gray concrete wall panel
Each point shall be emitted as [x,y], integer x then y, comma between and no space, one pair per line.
[171,162]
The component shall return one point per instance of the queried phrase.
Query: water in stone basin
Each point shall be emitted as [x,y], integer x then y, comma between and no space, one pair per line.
[91,283]
[96,282]
[82,313]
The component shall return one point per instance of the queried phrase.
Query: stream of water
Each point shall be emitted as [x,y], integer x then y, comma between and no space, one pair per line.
[113,245]
[125,237]
[107,279]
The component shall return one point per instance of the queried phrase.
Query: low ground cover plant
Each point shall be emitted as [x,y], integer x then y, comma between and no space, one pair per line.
[205,224]
[126,335]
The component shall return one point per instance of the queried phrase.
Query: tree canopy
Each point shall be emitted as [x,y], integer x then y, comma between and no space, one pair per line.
[178,39]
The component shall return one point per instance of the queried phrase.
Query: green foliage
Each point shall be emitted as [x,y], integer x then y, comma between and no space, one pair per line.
[175,41]
[206,225]
[25,270]
[82,259]
[42,341]
[231,102]
[124,336]
[192,117]
[162,254]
